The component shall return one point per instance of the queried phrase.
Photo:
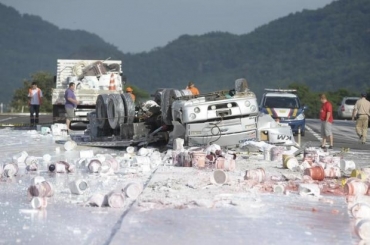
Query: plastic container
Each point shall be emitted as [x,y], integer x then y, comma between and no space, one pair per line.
[347,165]
[10,170]
[361,211]
[290,162]
[43,189]
[133,190]
[316,173]
[94,166]
[219,177]
[39,202]
[70,145]
[332,172]
[355,187]
[255,174]
[116,199]
[198,159]
[219,163]
[78,187]
[363,229]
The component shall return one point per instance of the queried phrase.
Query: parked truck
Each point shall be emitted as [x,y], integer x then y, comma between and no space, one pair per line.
[92,78]
[225,117]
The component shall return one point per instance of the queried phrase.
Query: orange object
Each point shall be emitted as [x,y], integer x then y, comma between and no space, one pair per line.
[112,82]
[316,173]
[194,90]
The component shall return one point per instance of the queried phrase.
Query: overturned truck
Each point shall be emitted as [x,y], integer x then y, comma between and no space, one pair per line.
[226,117]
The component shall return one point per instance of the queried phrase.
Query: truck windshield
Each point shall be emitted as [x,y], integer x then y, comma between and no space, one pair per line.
[281,102]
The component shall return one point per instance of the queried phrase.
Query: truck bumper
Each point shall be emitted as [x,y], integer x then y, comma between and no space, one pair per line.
[230,132]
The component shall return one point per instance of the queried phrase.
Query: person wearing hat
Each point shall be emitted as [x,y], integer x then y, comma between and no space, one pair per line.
[192,88]
[129,90]
[362,112]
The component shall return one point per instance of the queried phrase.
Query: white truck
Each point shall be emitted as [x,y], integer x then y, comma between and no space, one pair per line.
[226,117]
[92,78]
[221,118]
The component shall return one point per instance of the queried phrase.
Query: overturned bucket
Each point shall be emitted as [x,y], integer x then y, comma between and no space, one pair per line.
[219,177]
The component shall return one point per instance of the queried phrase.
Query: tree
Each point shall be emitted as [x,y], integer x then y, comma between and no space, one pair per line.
[45,82]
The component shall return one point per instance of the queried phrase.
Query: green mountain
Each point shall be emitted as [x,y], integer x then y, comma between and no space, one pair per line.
[28,45]
[326,49]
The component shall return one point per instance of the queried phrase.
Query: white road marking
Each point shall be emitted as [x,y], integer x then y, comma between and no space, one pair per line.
[318,136]
[6,119]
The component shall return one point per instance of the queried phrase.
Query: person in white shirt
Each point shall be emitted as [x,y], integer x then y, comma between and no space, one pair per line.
[35,99]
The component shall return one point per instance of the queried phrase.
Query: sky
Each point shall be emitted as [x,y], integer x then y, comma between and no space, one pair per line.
[141,25]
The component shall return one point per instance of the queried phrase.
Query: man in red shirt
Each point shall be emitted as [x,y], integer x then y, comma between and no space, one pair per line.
[326,117]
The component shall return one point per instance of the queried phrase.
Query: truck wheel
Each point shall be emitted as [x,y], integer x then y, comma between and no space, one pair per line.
[115,111]
[168,96]
[129,108]
[101,111]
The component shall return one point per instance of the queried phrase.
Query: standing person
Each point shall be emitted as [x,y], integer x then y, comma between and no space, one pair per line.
[326,117]
[129,90]
[35,99]
[362,111]
[71,103]
[192,88]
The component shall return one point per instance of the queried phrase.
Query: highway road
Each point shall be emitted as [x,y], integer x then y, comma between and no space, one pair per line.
[343,130]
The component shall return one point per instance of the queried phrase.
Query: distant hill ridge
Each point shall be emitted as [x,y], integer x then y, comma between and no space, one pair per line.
[326,49]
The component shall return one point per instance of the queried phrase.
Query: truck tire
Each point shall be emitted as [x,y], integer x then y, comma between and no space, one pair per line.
[241,85]
[101,111]
[115,111]
[129,108]
[168,96]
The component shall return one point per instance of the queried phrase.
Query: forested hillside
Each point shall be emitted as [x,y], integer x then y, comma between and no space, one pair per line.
[28,45]
[325,49]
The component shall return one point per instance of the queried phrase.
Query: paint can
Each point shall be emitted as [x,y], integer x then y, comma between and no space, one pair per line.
[187,160]
[219,164]
[316,173]
[133,190]
[116,199]
[94,166]
[78,187]
[198,159]
[43,189]
[10,170]
[255,174]
[97,200]
[277,153]
[332,172]
[363,229]
[70,145]
[39,202]
[361,211]
[219,177]
[355,187]
[290,162]
[347,165]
